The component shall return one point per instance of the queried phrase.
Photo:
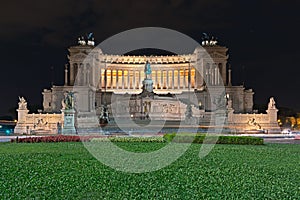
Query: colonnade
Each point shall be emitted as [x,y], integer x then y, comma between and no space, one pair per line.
[82,74]
[213,74]
[117,78]
[132,78]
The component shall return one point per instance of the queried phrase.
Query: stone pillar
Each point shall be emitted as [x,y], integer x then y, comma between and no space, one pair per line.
[199,66]
[189,77]
[117,79]
[167,79]
[71,73]
[22,115]
[66,74]
[84,75]
[95,73]
[88,76]
[128,79]
[229,76]
[161,79]
[178,79]
[156,79]
[21,124]
[216,75]
[173,79]
[122,79]
[111,79]
[206,76]
[140,82]
[184,78]
[133,80]
[105,78]
[100,79]
[211,69]
[273,124]
[224,77]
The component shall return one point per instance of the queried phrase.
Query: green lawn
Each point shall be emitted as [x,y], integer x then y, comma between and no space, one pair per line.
[68,171]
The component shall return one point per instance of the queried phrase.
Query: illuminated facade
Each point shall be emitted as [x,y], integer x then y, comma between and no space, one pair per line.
[173,87]
[171,75]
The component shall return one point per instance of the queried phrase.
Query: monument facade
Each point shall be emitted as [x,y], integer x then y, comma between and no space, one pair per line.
[157,87]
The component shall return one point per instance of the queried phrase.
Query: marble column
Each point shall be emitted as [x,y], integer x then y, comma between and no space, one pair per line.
[140,81]
[217,75]
[100,79]
[72,73]
[88,76]
[229,77]
[94,74]
[156,79]
[178,79]
[128,79]
[133,80]
[173,79]
[167,79]
[224,77]
[84,74]
[66,74]
[123,82]
[184,78]
[117,79]
[161,79]
[111,79]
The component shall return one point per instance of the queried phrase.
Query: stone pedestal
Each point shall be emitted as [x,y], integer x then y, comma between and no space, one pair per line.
[69,122]
[21,124]
[273,124]
[148,85]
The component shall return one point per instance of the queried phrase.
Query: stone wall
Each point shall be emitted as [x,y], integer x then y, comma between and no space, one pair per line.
[253,121]
[39,124]
[36,123]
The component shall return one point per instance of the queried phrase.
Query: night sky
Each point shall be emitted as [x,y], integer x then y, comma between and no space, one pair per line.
[262,37]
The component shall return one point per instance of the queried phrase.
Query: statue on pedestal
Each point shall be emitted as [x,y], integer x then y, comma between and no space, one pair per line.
[69,114]
[22,103]
[148,83]
[148,70]
[68,102]
[271,104]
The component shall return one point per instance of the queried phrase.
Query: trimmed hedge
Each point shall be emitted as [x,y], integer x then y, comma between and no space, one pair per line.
[158,139]
[180,138]
[199,138]
[54,138]
[76,138]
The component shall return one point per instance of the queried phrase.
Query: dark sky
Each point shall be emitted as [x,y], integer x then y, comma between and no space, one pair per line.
[262,37]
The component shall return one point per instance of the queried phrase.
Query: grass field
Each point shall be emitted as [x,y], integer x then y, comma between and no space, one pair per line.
[68,171]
